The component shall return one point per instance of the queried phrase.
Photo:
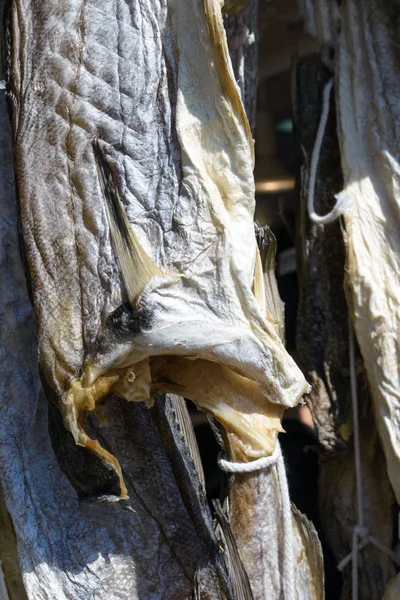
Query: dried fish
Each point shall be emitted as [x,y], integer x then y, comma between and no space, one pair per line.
[142,261]
[279,547]
[368,133]
[153,546]
[362,86]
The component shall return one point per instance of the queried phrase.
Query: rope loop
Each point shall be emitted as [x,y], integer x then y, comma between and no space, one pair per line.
[250,467]
[341,199]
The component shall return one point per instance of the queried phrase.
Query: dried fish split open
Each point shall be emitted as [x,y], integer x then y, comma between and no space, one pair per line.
[134,165]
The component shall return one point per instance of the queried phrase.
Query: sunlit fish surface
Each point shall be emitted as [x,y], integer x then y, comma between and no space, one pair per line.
[134,163]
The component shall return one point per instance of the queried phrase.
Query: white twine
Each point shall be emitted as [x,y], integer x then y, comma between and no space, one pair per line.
[243,37]
[341,199]
[288,575]
[361,535]
[250,467]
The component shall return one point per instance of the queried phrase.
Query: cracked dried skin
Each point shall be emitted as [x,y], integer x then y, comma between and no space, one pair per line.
[153,83]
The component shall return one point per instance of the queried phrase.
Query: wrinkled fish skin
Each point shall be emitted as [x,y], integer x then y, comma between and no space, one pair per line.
[322,328]
[370,161]
[191,251]
[160,543]
[67,549]
[242,34]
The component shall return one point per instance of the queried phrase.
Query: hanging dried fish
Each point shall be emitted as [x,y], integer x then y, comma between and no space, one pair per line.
[155,547]
[140,245]
[325,352]
[278,545]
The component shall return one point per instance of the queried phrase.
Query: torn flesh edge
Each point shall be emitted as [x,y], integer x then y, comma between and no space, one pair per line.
[238,403]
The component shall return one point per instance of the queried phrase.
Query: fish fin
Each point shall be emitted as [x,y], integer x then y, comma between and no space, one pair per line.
[266,262]
[186,426]
[236,570]
[137,268]
[258,284]
[312,546]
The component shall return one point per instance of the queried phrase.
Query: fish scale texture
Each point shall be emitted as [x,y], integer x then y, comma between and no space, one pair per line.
[176,137]
[69,549]
[66,550]
[150,82]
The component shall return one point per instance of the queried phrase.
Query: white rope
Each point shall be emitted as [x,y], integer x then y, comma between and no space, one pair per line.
[341,199]
[288,575]
[361,535]
[243,37]
[250,467]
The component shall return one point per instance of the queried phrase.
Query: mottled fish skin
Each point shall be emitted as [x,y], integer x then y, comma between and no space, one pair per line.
[150,548]
[255,499]
[242,35]
[153,549]
[322,329]
[256,517]
[110,71]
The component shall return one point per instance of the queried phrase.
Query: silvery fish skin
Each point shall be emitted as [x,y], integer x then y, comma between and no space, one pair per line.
[161,543]
[157,546]
[264,538]
[146,251]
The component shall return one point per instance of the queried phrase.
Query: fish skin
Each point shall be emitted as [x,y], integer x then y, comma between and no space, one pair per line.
[242,35]
[72,81]
[254,500]
[322,331]
[66,548]
[256,518]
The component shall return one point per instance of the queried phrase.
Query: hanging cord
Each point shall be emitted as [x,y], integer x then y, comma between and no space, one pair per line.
[360,531]
[288,543]
[341,199]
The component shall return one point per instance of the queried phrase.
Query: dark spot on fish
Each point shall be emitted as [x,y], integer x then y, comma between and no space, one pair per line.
[125,321]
